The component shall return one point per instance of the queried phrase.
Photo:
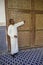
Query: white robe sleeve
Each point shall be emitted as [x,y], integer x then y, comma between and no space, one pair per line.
[19,23]
[9,32]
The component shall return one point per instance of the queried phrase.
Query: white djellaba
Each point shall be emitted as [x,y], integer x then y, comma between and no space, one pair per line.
[12,30]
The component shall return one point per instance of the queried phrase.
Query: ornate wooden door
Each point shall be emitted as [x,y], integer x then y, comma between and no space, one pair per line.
[32,12]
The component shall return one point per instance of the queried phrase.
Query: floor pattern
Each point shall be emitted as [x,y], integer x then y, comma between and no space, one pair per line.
[24,57]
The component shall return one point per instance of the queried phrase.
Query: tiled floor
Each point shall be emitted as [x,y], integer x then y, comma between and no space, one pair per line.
[24,57]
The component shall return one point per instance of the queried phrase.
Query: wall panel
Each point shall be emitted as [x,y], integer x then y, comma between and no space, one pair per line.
[24,38]
[20,4]
[39,21]
[38,4]
[39,38]
[18,16]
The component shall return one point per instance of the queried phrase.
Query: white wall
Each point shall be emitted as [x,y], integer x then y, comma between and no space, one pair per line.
[2,13]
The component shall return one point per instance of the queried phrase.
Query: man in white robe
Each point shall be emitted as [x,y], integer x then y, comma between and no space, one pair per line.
[12,32]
